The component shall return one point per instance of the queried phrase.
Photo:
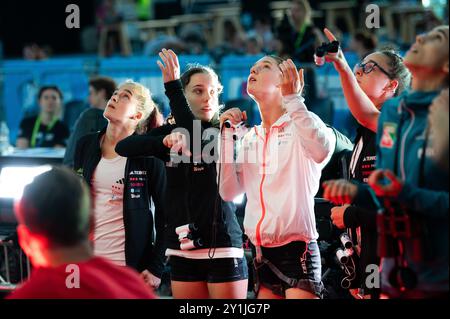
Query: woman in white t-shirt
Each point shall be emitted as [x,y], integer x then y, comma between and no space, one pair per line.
[127,193]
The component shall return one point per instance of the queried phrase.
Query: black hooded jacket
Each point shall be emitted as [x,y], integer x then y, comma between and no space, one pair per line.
[192,195]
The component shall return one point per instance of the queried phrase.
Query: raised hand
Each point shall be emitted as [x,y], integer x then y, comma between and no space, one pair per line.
[151,280]
[340,192]
[292,81]
[385,183]
[170,68]
[177,142]
[234,115]
[337,216]
[338,59]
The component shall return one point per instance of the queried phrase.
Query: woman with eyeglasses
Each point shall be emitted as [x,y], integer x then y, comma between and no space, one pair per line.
[408,182]
[379,77]
[45,129]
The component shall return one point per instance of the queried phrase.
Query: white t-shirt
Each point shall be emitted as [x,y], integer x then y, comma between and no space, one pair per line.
[108,187]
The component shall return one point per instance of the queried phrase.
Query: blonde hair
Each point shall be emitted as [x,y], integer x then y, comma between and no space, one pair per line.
[151,116]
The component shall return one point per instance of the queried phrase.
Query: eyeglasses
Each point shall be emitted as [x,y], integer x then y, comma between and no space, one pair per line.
[370,66]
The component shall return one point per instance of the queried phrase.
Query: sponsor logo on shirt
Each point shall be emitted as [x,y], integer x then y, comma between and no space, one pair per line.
[198,168]
[117,192]
[132,173]
[389,135]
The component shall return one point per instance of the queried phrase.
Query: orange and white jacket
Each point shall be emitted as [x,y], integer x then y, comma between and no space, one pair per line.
[279,170]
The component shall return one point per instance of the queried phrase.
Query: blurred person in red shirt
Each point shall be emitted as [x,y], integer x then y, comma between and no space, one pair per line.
[54,216]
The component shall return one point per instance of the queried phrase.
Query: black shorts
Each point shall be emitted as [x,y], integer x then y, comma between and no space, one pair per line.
[293,262]
[210,270]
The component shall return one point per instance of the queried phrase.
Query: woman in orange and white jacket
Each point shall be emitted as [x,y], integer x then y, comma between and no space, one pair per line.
[278,165]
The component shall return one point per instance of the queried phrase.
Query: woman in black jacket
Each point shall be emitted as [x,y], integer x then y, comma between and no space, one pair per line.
[204,237]
[124,190]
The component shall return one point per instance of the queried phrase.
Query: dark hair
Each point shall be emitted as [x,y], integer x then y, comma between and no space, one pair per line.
[57,205]
[154,120]
[368,40]
[104,83]
[193,69]
[50,87]
[397,69]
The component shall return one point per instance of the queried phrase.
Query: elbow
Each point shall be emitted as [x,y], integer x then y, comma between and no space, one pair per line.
[323,152]
[320,157]
[369,121]
[325,147]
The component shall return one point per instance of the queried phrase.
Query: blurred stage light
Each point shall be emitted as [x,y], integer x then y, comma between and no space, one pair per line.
[13,179]
[238,200]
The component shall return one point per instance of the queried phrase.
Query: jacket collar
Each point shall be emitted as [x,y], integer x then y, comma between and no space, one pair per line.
[282,121]
[416,100]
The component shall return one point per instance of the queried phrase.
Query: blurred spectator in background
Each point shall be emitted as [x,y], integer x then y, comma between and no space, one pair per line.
[233,37]
[363,44]
[100,91]
[232,43]
[193,39]
[252,11]
[263,29]
[111,29]
[190,39]
[32,51]
[45,129]
[439,122]
[254,45]
[155,45]
[297,34]
[107,14]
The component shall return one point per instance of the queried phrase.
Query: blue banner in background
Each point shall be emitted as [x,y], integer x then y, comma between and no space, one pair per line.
[22,80]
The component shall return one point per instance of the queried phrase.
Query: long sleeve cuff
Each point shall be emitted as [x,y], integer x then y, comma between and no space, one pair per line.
[173,86]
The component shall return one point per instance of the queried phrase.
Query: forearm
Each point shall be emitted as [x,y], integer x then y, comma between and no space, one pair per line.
[366,198]
[143,145]
[179,106]
[361,107]
[355,216]
[316,138]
